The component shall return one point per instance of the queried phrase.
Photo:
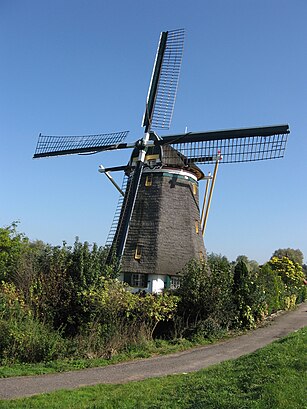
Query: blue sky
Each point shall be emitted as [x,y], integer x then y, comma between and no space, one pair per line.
[83,67]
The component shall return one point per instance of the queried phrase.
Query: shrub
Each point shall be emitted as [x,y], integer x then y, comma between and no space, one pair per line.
[29,340]
[115,318]
[206,301]
[292,275]
[290,271]
[220,285]
[273,289]
[24,338]
[248,297]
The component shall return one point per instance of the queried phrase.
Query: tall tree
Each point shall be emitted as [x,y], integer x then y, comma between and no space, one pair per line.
[294,255]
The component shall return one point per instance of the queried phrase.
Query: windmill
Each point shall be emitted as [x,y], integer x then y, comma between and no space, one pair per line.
[157,226]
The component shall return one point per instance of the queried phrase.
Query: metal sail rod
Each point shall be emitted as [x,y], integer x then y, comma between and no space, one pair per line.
[93,149]
[154,82]
[116,168]
[101,169]
[134,191]
[225,134]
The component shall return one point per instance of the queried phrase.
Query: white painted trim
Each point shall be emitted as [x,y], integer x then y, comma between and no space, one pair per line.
[172,171]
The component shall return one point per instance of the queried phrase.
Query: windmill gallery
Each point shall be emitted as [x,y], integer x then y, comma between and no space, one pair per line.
[159,198]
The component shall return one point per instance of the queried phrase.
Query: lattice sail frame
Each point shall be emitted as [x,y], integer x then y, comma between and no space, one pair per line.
[236,147]
[247,149]
[164,80]
[66,145]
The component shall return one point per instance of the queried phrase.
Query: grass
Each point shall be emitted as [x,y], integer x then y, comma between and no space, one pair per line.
[274,377]
[158,347]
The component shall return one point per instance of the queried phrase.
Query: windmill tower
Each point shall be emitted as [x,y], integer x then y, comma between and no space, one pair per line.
[157,228]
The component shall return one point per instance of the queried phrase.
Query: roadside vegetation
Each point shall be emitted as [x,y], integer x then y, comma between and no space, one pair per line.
[273,377]
[62,308]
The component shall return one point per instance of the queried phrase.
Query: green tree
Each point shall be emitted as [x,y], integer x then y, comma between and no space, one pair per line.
[193,289]
[252,265]
[248,296]
[273,289]
[294,255]
[293,277]
[206,303]
[12,245]
[220,287]
[290,271]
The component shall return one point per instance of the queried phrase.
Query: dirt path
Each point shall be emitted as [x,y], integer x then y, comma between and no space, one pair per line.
[187,361]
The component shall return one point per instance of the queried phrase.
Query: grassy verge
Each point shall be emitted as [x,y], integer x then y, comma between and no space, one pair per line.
[158,347]
[274,377]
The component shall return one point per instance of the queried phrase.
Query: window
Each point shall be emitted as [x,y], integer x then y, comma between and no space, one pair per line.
[138,280]
[194,188]
[138,252]
[201,256]
[175,283]
[196,226]
[148,180]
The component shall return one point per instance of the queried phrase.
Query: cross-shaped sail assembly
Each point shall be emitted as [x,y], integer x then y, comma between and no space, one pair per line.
[161,184]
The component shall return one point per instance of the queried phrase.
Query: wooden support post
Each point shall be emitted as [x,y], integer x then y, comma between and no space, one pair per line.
[218,158]
[208,178]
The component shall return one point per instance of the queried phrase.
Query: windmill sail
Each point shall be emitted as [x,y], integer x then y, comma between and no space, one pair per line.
[156,228]
[116,219]
[164,81]
[68,145]
[235,145]
[158,113]
[125,213]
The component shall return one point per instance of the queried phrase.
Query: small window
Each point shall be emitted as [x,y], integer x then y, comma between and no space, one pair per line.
[138,252]
[196,226]
[201,256]
[194,187]
[148,180]
[175,283]
[138,280]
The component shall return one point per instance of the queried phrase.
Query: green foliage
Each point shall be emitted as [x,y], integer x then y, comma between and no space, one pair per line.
[293,278]
[206,306]
[58,275]
[251,265]
[273,377]
[193,286]
[220,287]
[116,318]
[64,300]
[294,255]
[12,246]
[248,297]
[22,337]
[273,289]
[290,271]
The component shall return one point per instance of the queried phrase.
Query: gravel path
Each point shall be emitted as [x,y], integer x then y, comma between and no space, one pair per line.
[187,361]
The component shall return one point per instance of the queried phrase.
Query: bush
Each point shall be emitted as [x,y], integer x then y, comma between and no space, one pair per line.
[24,338]
[248,297]
[206,301]
[12,245]
[291,274]
[115,318]
[220,285]
[52,294]
[273,289]
[208,328]
[29,340]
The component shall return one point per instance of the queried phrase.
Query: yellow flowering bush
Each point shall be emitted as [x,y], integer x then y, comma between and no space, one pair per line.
[290,272]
